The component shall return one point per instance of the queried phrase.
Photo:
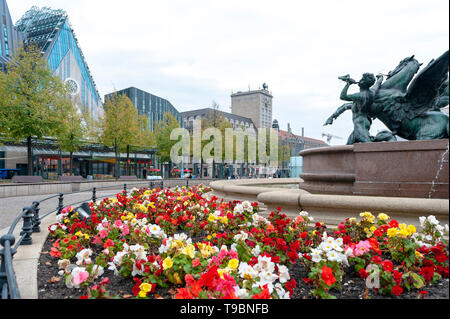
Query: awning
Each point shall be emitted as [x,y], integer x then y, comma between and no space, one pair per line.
[42,151]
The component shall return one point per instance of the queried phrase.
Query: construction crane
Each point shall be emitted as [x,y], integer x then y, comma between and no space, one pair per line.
[330,137]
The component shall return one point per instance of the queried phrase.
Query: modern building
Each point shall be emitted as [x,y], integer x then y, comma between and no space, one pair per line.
[236,121]
[10,38]
[256,105]
[51,31]
[151,105]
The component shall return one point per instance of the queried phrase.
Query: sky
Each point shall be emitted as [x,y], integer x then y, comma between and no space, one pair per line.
[195,52]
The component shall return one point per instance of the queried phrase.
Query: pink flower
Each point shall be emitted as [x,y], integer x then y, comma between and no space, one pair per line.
[80,277]
[125,230]
[118,223]
[362,248]
[103,233]
[196,262]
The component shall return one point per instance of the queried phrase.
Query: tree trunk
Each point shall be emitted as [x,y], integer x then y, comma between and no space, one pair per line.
[117,165]
[128,161]
[71,163]
[29,156]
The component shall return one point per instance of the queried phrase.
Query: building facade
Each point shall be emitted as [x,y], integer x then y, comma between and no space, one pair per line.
[236,121]
[10,37]
[51,31]
[256,105]
[151,105]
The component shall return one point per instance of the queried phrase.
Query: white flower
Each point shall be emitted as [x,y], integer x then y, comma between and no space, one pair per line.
[282,294]
[284,274]
[241,293]
[304,214]
[246,271]
[432,220]
[422,220]
[264,264]
[267,277]
[256,251]
[97,271]
[83,257]
[446,227]
[333,256]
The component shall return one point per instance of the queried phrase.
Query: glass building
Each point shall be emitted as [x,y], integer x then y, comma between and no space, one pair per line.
[151,105]
[51,31]
[10,38]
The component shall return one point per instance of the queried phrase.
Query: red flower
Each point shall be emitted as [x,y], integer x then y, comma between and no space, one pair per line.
[327,276]
[427,273]
[363,273]
[265,294]
[387,265]
[397,290]
[393,224]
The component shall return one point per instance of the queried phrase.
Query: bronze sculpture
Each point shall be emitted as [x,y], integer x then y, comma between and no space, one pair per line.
[409,107]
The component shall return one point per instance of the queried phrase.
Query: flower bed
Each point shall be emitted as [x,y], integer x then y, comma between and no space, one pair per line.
[173,243]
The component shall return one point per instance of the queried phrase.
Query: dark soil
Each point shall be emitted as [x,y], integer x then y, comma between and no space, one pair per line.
[353,287]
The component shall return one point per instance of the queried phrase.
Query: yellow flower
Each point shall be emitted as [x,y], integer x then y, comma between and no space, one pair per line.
[412,229]
[79,234]
[404,232]
[189,250]
[221,271]
[167,263]
[419,255]
[211,218]
[233,264]
[86,236]
[142,294]
[177,279]
[225,220]
[392,232]
[373,228]
[383,217]
[145,287]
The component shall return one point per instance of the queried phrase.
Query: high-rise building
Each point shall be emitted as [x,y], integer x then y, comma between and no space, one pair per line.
[151,105]
[51,31]
[10,38]
[256,105]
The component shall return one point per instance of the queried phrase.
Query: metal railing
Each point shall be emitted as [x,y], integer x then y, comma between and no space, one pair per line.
[31,218]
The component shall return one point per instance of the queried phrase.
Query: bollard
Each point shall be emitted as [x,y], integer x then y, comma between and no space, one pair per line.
[60,203]
[27,228]
[125,188]
[94,194]
[36,220]
[152,186]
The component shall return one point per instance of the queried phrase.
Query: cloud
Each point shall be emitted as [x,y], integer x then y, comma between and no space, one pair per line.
[194,52]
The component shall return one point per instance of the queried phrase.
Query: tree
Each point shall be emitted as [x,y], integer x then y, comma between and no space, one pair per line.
[71,134]
[214,119]
[162,133]
[32,100]
[119,125]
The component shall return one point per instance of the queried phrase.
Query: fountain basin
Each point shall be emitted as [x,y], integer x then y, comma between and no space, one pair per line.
[330,209]
[410,169]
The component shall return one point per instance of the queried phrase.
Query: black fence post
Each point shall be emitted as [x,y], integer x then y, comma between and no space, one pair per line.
[60,203]
[125,188]
[5,293]
[27,228]
[94,194]
[152,186]
[36,220]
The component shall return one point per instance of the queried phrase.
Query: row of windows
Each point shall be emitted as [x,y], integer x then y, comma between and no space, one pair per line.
[5,35]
